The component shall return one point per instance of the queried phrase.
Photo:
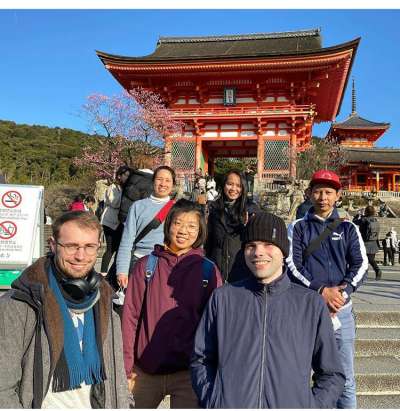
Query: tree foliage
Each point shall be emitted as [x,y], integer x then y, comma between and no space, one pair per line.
[322,154]
[41,155]
[135,124]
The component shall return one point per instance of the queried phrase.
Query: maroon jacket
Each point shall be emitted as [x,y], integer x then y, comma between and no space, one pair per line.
[174,305]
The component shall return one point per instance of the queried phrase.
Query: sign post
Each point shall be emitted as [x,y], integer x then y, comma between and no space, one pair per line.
[21,229]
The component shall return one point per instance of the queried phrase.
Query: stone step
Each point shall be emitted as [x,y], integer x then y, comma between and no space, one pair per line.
[389,400]
[378,319]
[377,342]
[377,375]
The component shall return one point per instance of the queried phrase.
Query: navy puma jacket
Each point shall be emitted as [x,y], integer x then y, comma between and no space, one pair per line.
[340,259]
[256,345]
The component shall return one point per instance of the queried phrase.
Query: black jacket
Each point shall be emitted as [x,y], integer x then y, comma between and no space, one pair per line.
[369,229]
[256,344]
[224,240]
[138,186]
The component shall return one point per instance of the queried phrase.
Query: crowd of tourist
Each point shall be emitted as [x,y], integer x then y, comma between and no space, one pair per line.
[209,300]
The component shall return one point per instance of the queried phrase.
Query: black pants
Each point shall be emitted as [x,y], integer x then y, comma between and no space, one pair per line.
[113,238]
[371,260]
[388,254]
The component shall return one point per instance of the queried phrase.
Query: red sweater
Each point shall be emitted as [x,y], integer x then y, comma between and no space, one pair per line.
[77,206]
[173,308]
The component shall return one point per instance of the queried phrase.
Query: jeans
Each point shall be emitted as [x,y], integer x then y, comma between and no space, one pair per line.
[345,339]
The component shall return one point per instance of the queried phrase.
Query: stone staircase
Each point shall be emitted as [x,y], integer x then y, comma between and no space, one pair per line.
[377,362]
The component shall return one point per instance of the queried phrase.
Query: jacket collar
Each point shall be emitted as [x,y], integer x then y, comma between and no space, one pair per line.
[164,252]
[310,216]
[278,286]
[33,287]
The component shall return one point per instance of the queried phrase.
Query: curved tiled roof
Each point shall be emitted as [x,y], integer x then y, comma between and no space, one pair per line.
[241,45]
[354,121]
[373,155]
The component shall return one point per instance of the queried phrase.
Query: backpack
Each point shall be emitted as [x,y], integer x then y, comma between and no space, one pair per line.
[371,230]
[151,264]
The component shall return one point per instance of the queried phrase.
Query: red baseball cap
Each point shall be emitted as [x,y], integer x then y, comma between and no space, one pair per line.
[326,177]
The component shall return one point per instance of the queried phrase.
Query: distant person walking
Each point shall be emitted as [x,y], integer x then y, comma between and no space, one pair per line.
[388,250]
[112,228]
[369,228]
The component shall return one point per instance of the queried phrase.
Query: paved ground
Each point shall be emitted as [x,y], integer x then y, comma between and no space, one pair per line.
[382,295]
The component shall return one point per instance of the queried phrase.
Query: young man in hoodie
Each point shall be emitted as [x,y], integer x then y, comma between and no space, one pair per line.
[327,255]
[260,338]
[60,342]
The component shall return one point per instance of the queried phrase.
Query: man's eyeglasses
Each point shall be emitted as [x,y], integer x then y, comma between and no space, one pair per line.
[71,249]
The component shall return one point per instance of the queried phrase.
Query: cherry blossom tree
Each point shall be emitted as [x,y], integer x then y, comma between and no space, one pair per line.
[134,125]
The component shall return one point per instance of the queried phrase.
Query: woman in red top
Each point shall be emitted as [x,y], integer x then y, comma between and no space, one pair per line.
[159,323]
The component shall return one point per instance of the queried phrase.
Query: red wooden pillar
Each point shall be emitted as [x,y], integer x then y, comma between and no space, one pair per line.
[292,155]
[197,158]
[260,156]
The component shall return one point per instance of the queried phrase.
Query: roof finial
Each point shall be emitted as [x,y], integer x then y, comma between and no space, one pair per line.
[353,100]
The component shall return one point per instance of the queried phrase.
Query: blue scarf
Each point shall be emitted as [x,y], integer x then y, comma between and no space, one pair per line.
[75,365]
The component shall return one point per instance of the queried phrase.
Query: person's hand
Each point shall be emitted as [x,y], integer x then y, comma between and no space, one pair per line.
[334,298]
[131,381]
[122,280]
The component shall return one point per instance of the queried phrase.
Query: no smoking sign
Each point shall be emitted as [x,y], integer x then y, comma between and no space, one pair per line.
[8,229]
[11,199]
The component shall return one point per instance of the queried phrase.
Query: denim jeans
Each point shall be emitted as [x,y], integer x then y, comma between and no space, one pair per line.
[345,339]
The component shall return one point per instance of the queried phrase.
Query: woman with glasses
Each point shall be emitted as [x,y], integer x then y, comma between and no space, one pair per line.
[163,306]
[227,218]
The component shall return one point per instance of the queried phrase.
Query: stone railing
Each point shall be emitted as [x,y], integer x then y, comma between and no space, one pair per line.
[369,194]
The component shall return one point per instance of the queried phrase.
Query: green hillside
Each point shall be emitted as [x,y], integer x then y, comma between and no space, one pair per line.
[39,154]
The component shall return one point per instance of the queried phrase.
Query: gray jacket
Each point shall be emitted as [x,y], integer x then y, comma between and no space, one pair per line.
[31,341]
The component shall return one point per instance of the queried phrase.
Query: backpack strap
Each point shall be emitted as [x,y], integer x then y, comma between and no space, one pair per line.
[207,269]
[316,243]
[151,264]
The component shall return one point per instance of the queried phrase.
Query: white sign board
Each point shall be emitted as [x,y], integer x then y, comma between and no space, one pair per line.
[21,212]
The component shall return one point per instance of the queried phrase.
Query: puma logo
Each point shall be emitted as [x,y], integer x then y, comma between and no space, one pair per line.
[337,236]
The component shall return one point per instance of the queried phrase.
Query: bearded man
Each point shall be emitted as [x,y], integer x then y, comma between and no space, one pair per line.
[60,341]
[260,339]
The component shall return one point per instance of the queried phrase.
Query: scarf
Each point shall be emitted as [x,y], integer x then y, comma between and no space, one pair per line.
[75,365]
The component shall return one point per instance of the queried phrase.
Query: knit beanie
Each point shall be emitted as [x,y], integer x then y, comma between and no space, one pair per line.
[267,227]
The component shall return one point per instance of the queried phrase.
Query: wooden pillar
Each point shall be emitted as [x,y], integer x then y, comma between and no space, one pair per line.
[167,151]
[393,182]
[377,181]
[197,159]
[205,154]
[211,165]
[260,156]
[292,155]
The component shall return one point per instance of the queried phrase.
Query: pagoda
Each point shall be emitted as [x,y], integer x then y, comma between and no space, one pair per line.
[241,96]
[367,168]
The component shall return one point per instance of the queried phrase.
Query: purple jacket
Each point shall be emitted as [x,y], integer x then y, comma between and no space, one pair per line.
[174,304]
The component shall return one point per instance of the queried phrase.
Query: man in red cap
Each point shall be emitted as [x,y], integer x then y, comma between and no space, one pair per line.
[327,254]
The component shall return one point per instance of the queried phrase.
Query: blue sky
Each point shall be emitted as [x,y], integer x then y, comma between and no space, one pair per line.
[48,62]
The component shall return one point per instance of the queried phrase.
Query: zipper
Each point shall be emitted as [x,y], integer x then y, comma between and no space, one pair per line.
[263,349]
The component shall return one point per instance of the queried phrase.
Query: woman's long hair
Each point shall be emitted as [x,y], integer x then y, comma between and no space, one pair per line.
[239,207]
